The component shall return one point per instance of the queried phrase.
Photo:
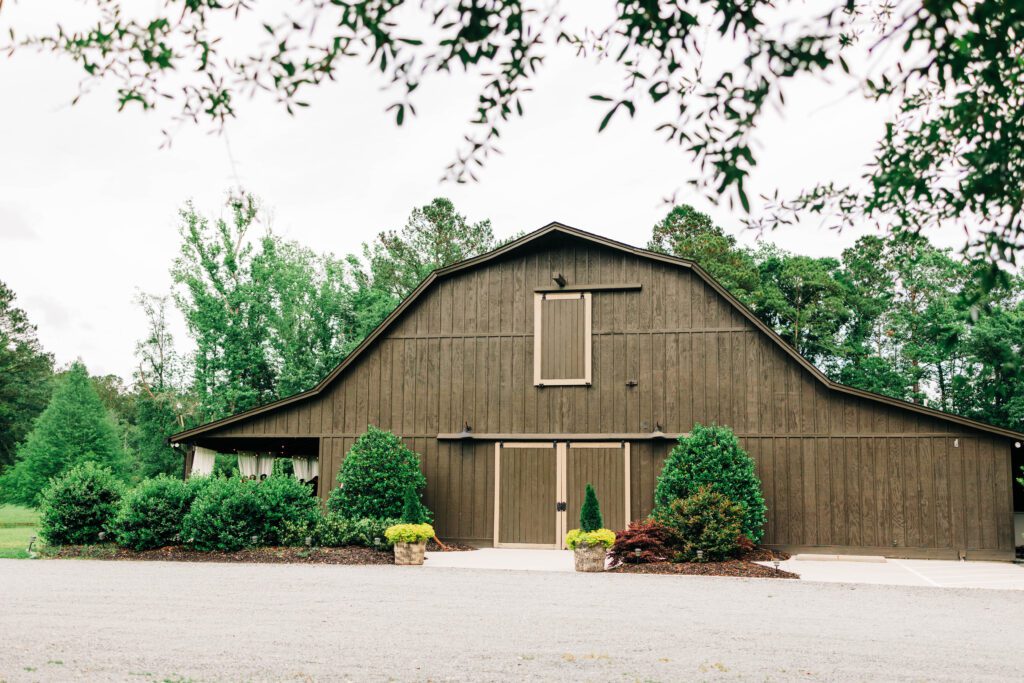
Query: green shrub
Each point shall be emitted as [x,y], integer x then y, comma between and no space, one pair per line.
[590,511]
[231,514]
[409,533]
[226,515]
[711,456]
[706,521]
[150,515]
[285,501]
[578,538]
[79,505]
[413,510]
[366,531]
[374,478]
[334,531]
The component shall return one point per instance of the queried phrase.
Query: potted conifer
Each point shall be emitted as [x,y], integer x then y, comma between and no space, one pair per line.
[591,541]
[410,538]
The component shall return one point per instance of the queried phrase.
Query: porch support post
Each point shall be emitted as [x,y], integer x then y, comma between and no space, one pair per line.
[190,453]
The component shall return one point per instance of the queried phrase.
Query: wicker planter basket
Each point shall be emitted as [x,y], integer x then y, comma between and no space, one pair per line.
[590,558]
[410,553]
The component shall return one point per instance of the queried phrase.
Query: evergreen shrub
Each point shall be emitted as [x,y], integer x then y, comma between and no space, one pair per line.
[79,505]
[711,456]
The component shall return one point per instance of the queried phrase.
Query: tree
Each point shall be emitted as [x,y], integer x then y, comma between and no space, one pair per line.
[434,236]
[590,511]
[803,300]
[226,302]
[690,234]
[162,405]
[269,317]
[25,376]
[75,428]
[950,156]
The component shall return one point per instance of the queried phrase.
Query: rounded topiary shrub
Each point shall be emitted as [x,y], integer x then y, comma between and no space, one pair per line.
[712,456]
[151,514]
[707,521]
[374,479]
[226,515]
[286,505]
[76,507]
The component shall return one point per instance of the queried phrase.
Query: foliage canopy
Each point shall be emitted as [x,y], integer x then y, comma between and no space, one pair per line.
[951,155]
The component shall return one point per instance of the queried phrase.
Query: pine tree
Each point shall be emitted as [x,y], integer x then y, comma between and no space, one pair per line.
[75,428]
[590,512]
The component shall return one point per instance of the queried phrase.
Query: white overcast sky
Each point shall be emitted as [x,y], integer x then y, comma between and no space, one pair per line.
[88,200]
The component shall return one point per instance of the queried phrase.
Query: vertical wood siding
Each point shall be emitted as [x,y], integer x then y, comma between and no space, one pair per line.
[837,470]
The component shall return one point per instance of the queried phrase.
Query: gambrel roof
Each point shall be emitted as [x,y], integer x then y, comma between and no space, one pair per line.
[561,229]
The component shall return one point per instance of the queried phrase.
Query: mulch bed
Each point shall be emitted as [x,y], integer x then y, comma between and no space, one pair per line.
[727,568]
[347,555]
[283,555]
[745,566]
[449,547]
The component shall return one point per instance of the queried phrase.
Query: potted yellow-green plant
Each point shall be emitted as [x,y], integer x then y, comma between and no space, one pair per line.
[591,541]
[410,538]
[410,541]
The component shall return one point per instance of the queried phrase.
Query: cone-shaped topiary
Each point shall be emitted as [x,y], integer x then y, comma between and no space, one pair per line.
[590,511]
[374,477]
[712,456]
[412,508]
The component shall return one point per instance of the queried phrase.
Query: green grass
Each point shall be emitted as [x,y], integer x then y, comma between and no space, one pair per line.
[15,515]
[17,526]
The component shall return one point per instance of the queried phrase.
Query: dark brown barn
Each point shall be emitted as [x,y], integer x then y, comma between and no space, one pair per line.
[564,358]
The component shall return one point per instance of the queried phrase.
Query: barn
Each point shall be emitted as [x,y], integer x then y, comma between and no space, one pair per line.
[564,358]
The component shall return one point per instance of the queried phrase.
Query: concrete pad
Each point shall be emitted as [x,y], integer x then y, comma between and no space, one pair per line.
[894,572]
[504,558]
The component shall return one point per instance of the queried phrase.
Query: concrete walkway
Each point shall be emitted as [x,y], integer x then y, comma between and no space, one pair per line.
[931,573]
[505,558]
[926,573]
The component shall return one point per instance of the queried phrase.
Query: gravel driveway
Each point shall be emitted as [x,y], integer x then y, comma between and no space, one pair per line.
[140,621]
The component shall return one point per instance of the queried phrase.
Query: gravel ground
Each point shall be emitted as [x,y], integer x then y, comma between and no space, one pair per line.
[139,621]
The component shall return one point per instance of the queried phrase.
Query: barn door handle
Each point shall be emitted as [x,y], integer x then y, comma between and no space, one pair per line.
[561,506]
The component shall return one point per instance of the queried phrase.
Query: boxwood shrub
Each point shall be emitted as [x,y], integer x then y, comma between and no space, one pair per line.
[285,500]
[150,515]
[233,513]
[79,505]
[711,456]
[375,477]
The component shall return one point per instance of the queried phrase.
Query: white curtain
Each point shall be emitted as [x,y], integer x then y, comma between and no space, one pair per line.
[305,468]
[247,464]
[202,462]
[265,465]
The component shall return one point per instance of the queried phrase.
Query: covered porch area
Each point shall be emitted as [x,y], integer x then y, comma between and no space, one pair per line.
[257,458]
